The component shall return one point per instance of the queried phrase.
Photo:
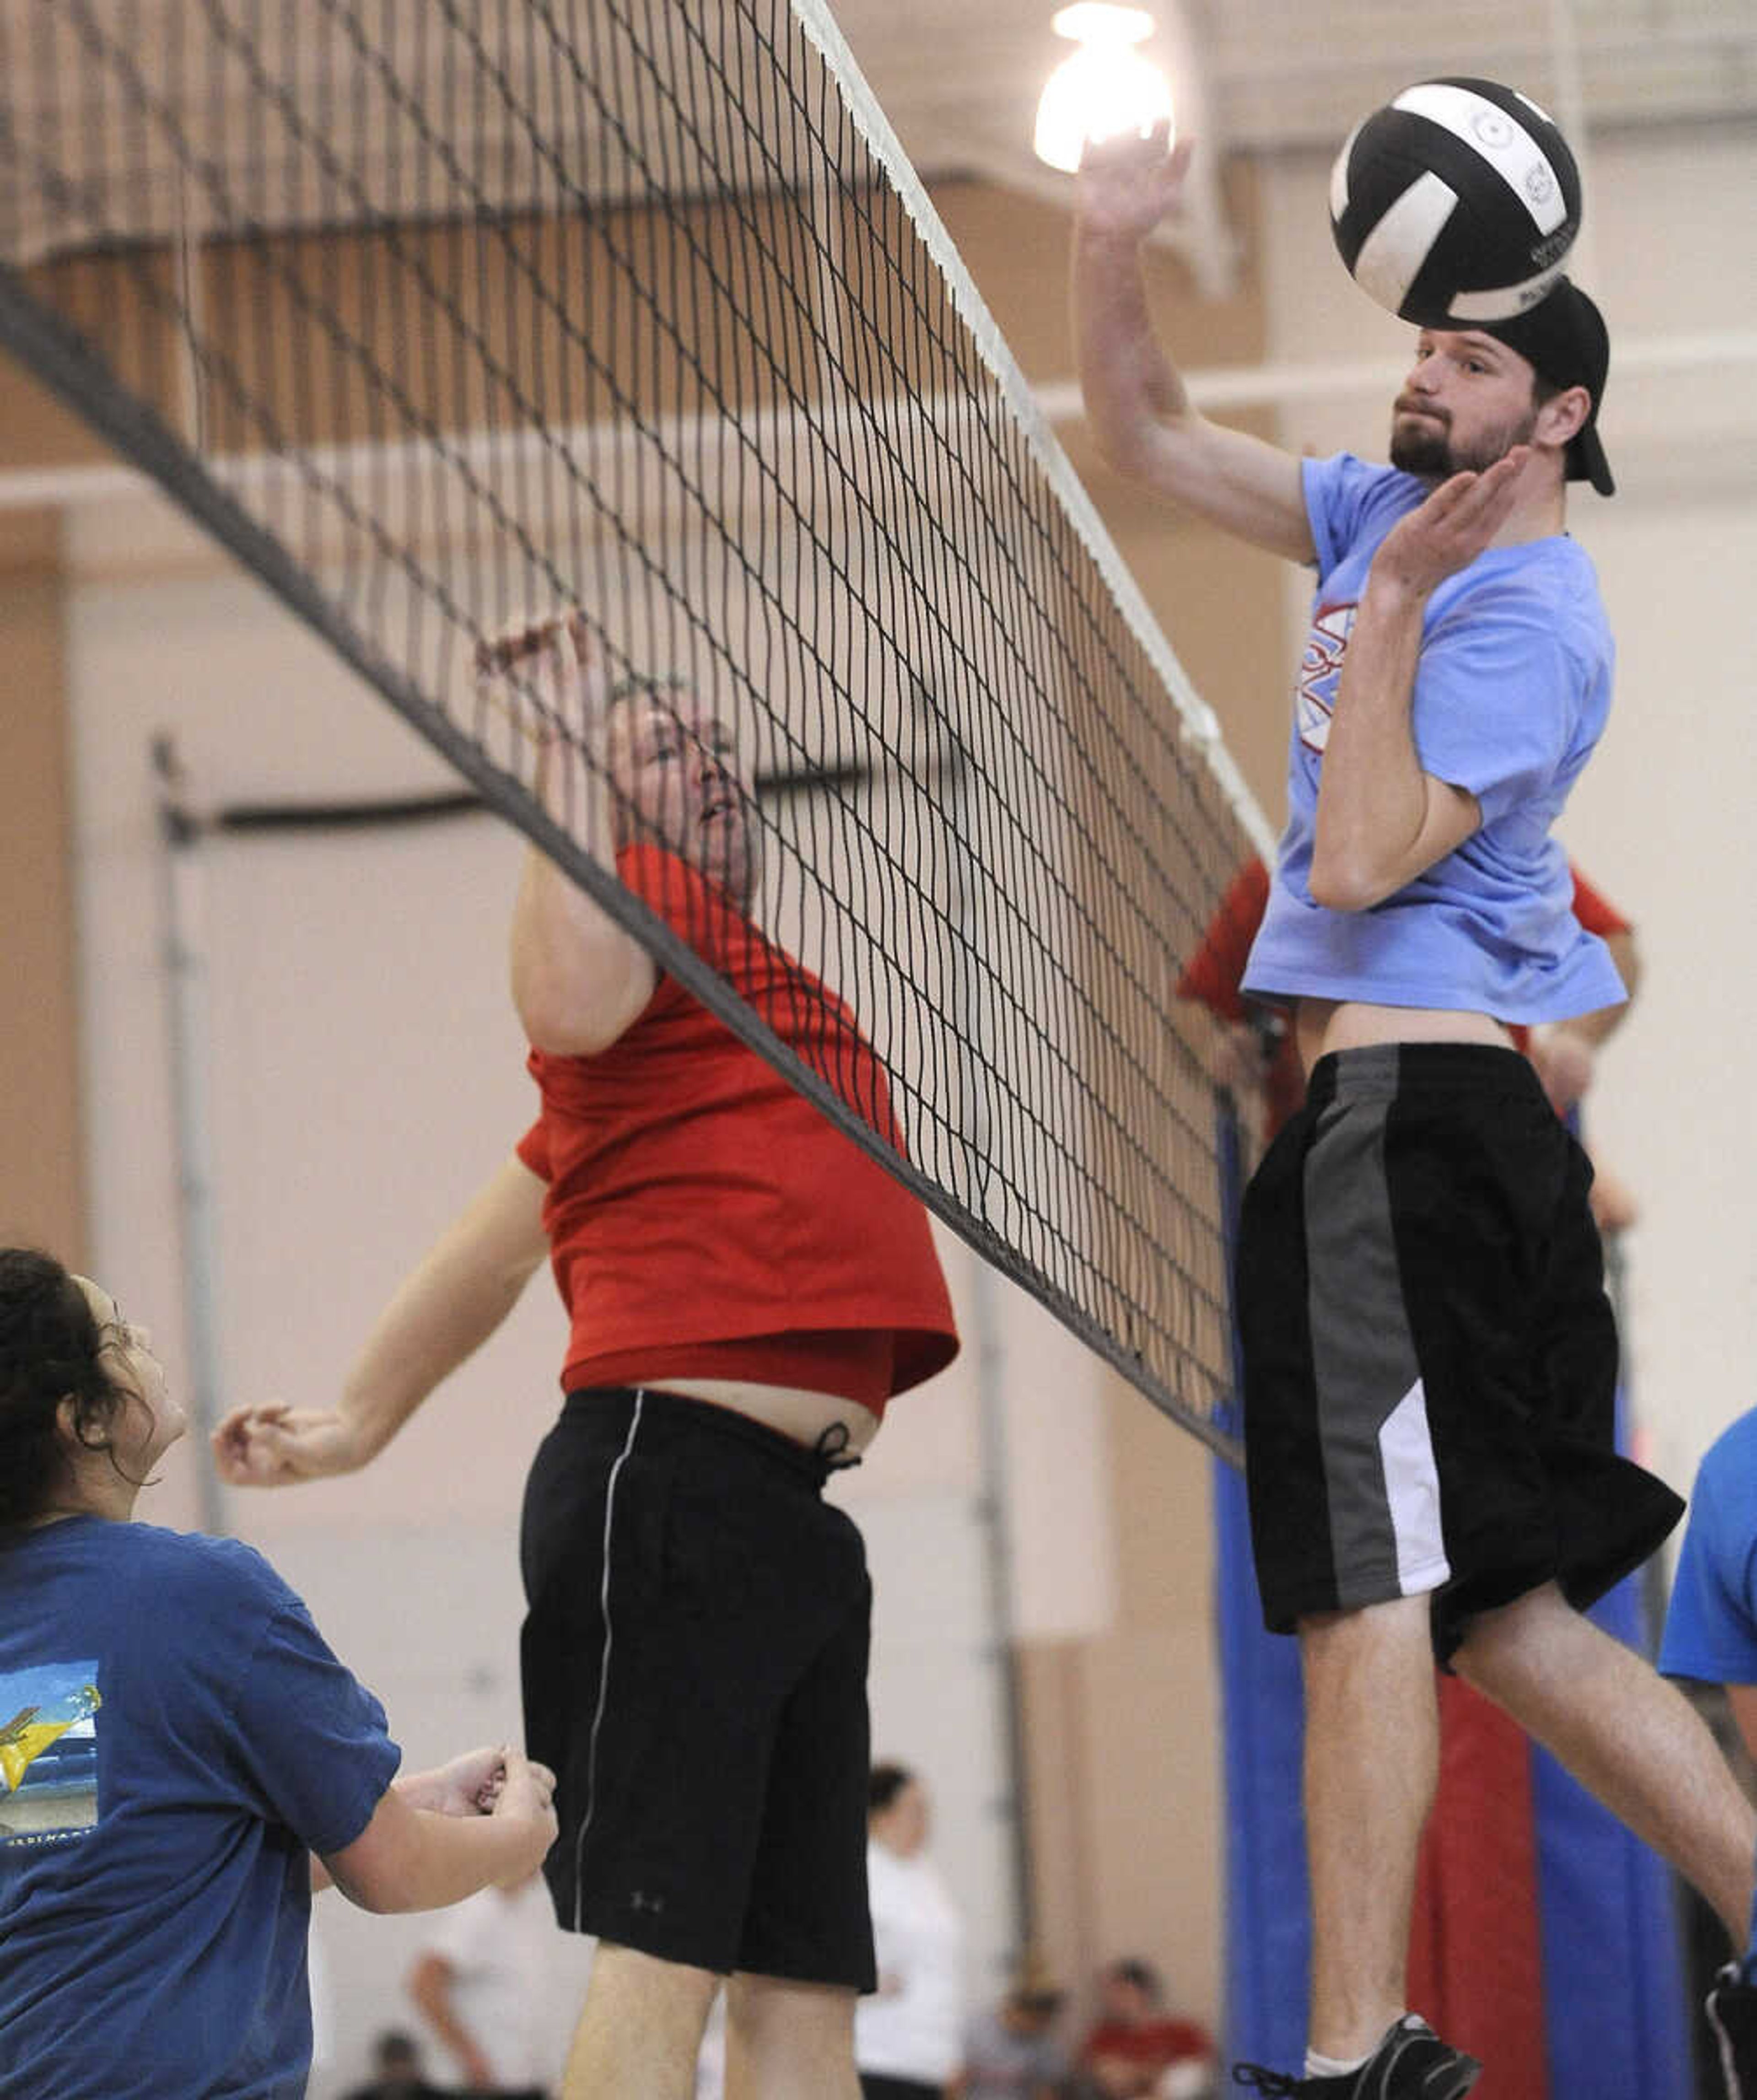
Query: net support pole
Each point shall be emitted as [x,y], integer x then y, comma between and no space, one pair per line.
[991,1358]
[185,1006]
[1011,1803]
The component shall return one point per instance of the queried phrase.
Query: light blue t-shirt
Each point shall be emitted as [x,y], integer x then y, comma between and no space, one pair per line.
[175,1741]
[1711,1623]
[1512,692]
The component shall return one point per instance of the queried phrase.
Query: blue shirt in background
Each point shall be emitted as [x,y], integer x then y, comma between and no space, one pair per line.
[1511,693]
[1711,1623]
[176,1740]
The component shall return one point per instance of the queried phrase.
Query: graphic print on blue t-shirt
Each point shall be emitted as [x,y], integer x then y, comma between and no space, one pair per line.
[1314,697]
[48,1752]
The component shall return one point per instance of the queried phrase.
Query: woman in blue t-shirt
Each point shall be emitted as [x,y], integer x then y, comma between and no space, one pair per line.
[181,1757]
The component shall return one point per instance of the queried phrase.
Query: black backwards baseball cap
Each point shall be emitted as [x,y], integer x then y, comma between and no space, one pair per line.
[1563,339]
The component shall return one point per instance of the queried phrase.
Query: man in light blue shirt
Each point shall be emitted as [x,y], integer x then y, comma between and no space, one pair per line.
[1430,1357]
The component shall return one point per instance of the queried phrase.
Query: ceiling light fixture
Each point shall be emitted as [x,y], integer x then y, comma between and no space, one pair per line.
[1105,88]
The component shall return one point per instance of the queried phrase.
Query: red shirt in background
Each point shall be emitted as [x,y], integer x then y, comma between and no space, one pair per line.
[1154,2045]
[703,1215]
[1215,971]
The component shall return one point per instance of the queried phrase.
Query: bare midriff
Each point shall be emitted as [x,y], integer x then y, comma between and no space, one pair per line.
[803,1416]
[1324,1025]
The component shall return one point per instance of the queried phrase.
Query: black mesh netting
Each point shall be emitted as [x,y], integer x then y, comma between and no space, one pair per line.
[439,315]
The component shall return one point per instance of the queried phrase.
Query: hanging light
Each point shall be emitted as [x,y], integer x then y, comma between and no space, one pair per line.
[1105,88]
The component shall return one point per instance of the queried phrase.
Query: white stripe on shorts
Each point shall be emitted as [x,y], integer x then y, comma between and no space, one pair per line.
[603,1671]
[1412,1489]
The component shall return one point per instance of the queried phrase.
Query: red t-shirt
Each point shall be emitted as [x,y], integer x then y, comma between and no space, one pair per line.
[1154,2045]
[696,1200]
[1215,971]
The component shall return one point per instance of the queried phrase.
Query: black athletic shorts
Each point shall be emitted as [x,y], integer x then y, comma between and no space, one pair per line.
[694,1660]
[1430,1357]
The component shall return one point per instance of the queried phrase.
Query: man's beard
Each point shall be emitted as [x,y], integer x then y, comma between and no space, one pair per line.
[1424,448]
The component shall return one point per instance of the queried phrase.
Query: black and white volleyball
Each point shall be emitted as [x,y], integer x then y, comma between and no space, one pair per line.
[1456,204]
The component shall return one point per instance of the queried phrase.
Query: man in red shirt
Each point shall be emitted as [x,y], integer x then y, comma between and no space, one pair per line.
[746,1288]
[1137,2050]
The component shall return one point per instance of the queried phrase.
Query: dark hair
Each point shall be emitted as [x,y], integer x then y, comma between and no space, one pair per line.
[51,1350]
[1142,1975]
[661,685]
[887,1782]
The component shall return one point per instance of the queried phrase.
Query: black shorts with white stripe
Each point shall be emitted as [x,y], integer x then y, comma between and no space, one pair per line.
[1431,1359]
[694,1660]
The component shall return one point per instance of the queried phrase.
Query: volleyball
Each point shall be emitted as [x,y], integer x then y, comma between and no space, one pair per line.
[1456,204]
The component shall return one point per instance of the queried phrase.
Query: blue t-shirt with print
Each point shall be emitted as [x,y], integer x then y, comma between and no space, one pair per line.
[1711,1621]
[175,1740]
[1512,691]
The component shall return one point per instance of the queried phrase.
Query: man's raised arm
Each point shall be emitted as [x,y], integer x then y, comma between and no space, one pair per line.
[578,978]
[1137,406]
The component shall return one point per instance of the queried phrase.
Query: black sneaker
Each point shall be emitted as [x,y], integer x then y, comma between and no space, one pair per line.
[1411,2063]
[1732,2014]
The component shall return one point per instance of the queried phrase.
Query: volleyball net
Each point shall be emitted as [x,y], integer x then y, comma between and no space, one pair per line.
[439,315]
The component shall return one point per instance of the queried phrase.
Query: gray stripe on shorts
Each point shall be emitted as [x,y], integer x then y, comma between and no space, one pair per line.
[1381,1482]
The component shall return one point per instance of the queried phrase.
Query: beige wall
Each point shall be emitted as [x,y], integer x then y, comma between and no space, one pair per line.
[1122,1736]
[42,1201]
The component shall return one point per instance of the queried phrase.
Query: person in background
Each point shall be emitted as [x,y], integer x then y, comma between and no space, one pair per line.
[1711,1638]
[1011,2051]
[482,1983]
[182,1758]
[909,2039]
[396,2072]
[1135,2050]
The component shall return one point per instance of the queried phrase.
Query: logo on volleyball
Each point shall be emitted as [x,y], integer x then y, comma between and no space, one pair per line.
[1314,695]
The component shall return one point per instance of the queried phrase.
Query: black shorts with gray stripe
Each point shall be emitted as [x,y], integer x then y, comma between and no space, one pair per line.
[694,1660]
[1430,1356]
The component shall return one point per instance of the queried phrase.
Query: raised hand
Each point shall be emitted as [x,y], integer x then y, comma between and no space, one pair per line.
[1127,184]
[545,678]
[1457,523]
[273,1446]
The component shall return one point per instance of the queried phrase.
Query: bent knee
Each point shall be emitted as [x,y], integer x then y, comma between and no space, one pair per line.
[1493,1638]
